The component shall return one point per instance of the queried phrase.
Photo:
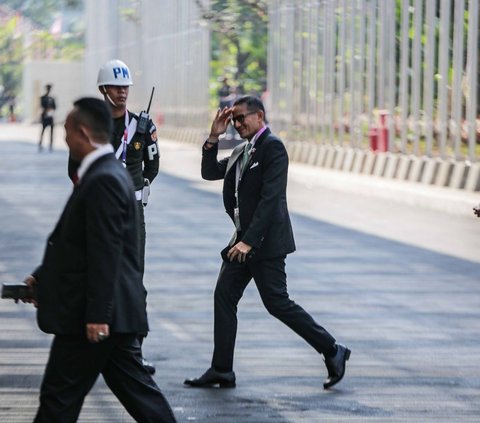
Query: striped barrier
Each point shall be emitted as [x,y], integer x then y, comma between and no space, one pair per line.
[439,172]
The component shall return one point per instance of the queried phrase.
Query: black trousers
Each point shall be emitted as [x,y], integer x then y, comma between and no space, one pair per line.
[271,280]
[142,236]
[46,121]
[73,367]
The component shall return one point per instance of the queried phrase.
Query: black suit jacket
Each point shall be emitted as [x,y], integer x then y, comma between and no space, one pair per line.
[90,271]
[264,217]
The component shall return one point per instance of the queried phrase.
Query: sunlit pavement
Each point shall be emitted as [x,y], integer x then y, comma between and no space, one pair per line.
[397,282]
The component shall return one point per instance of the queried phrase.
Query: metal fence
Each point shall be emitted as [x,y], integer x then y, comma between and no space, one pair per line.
[165,45]
[344,72]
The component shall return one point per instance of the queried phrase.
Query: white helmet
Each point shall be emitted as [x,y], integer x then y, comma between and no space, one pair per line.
[114,72]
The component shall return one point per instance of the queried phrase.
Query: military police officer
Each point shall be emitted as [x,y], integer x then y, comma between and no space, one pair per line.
[47,103]
[136,147]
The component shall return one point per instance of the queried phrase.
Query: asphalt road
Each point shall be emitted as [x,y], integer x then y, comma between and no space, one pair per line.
[397,282]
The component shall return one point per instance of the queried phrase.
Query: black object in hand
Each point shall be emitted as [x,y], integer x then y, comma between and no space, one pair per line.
[224,254]
[476,210]
[18,292]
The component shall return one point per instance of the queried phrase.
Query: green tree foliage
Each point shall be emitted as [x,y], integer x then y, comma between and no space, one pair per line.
[10,59]
[239,43]
[40,14]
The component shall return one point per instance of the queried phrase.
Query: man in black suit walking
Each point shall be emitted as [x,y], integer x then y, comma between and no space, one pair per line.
[254,195]
[89,286]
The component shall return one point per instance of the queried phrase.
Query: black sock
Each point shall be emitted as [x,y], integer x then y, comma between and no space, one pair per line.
[331,352]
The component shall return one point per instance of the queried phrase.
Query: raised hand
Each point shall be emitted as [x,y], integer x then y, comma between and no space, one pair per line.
[220,123]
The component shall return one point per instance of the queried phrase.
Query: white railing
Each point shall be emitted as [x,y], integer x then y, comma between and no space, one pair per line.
[336,66]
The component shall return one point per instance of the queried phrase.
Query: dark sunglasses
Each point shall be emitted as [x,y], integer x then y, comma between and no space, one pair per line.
[240,118]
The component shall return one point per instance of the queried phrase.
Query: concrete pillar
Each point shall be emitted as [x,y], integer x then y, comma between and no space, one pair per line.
[473,179]
[392,166]
[430,171]
[380,164]
[348,160]
[404,165]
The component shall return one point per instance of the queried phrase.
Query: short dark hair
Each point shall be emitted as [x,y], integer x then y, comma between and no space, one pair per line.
[254,104]
[96,115]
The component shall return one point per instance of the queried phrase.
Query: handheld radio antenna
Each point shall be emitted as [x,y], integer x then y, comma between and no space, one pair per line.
[150,102]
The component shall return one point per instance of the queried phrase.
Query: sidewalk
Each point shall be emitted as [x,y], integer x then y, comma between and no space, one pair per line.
[457,202]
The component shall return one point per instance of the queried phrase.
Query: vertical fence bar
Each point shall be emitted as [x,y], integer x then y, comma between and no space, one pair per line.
[340,61]
[472,76]
[361,68]
[371,43]
[391,27]
[333,66]
[443,76]
[287,60]
[428,75]
[286,36]
[321,74]
[310,83]
[296,78]
[314,19]
[304,69]
[330,70]
[312,51]
[416,74]
[300,70]
[353,113]
[381,30]
[327,86]
[276,82]
[456,92]
[289,99]
[273,48]
[404,73]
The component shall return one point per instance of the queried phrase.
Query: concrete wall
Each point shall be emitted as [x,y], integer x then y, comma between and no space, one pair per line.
[67,79]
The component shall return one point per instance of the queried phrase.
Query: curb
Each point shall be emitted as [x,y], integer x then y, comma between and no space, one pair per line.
[460,175]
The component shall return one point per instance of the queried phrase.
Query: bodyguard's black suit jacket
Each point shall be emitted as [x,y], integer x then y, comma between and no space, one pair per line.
[90,270]
[264,217]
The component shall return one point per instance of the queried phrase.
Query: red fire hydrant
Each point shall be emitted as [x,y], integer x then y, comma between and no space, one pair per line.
[373,137]
[383,132]
[378,135]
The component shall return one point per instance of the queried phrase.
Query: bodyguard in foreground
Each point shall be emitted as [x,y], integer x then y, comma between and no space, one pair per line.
[254,195]
[89,285]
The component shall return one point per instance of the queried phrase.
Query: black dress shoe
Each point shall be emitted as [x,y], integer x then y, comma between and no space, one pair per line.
[149,366]
[336,366]
[212,378]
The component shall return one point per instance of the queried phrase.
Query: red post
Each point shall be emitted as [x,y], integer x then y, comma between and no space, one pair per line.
[383,131]
[160,119]
[373,137]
